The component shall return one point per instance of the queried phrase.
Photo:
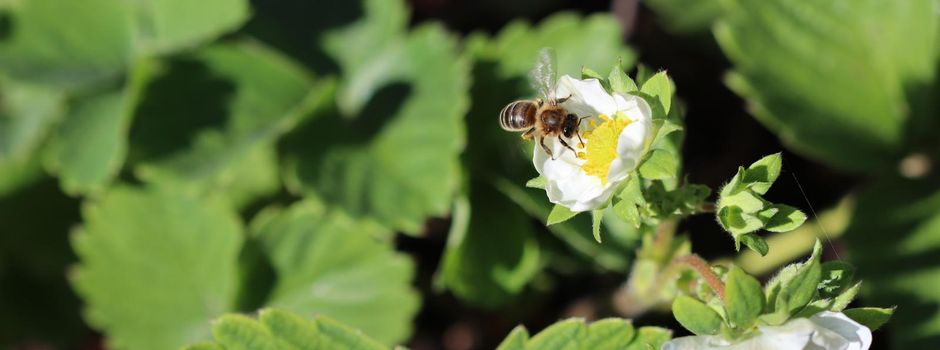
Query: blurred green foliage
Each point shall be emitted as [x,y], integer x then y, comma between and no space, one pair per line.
[851,84]
[220,156]
[230,156]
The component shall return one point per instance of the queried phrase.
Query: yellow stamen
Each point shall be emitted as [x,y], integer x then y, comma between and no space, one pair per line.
[582,155]
[601,147]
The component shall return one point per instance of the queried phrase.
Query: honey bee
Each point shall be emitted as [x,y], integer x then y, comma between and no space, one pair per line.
[542,117]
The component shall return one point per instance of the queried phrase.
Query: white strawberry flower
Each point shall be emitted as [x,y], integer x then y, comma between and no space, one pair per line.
[616,134]
[826,330]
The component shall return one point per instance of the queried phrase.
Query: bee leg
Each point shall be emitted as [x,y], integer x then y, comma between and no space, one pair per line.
[578,132]
[528,134]
[545,148]
[563,143]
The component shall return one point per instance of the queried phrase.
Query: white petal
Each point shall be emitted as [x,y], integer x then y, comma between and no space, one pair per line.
[790,336]
[823,331]
[585,97]
[855,335]
[633,139]
[566,183]
[630,146]
[634,107]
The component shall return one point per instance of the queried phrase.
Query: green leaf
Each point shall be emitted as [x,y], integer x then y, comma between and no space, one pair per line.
[27,113]
[837,276]
[100,37]
[746,200]
[843,300]
[755,242]
[735,185]
[664,139]
[597,215]
[661,88]
[492,253]
[608,334]
[563,335]
[515,340]
[742,209]
[620,82]
[89,147]
[737,222]
[660,165]
[393,154]
[628,211]
[516,46]
[744,299]
[328,263]
[793,287]
[786,219]
[650,338]
[687,16]
[171,25]
[630,197]
[695,316]
[871,317]
[760,175]
[26,116]
[559,214]
[894,236]
[259,95]
[278,329]
[144,245]
[92,45]
[573,333]
[798,64]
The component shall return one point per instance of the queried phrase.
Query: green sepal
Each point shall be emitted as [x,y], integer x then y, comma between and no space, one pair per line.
[753,241]
[695,316]
[587,73]
[793,288]
[660,87]
[620,82]
[559,214]
[871,317]
[649,338]
[760,175]
[660,164]
[744,299]
[538,182]
[597,215]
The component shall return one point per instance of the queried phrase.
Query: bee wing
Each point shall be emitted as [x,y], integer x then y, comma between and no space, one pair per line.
[543,76]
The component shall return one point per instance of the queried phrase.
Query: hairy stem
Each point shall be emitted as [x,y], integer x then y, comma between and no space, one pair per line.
[704,269]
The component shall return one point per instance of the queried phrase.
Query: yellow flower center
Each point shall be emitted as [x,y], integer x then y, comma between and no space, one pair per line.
[601,149]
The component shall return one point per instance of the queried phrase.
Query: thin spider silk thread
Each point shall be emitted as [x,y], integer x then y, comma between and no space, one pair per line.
[816,217]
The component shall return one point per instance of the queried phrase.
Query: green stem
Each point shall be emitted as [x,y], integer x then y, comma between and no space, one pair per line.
[788,246]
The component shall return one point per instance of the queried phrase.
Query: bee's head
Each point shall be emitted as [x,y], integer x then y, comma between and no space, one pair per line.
[570,125]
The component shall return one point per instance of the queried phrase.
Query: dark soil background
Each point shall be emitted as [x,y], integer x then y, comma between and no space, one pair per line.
[721,136]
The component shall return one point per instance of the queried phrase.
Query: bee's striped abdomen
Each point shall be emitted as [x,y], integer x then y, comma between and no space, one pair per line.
[518,116]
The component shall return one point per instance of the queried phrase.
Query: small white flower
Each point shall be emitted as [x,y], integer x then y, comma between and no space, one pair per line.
[618,129]
[826,330]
